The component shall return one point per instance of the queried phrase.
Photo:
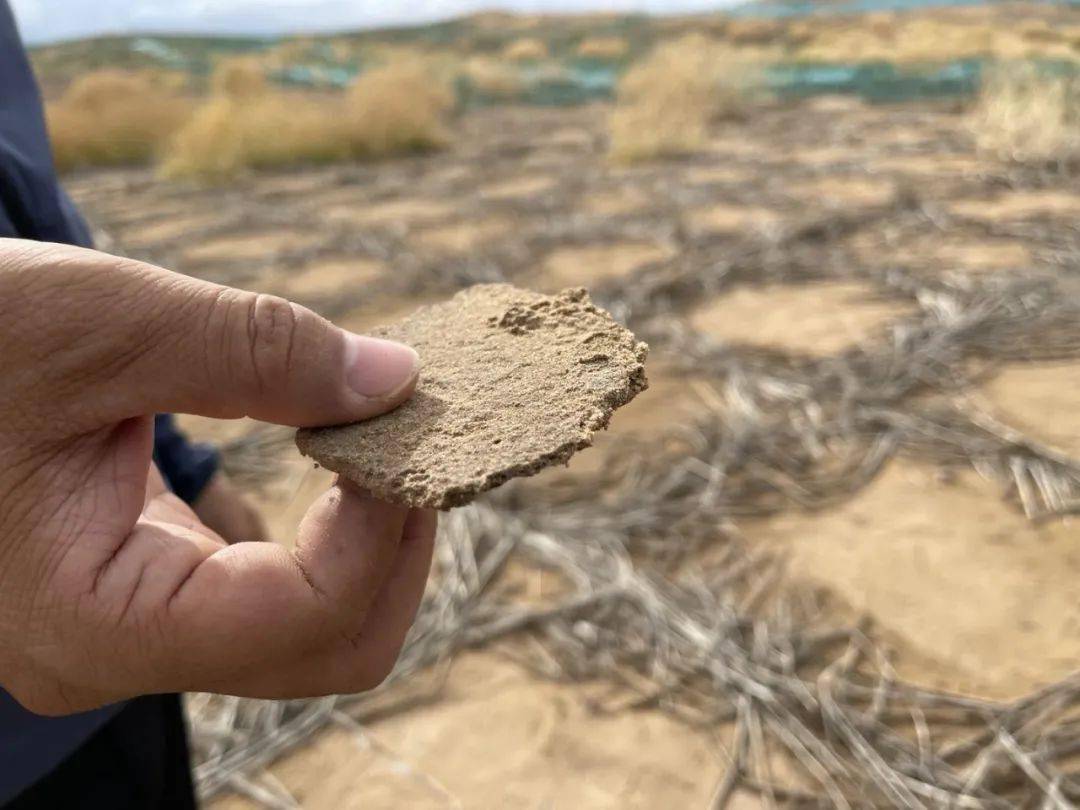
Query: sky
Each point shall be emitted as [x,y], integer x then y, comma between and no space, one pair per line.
[50,20]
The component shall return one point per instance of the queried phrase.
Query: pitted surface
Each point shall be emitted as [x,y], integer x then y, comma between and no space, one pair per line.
[512,381]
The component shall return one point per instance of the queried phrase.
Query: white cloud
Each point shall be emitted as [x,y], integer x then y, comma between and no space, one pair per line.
[45,20]
[28,12]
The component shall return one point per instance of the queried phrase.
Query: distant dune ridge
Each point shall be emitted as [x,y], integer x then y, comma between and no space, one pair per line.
[178,101]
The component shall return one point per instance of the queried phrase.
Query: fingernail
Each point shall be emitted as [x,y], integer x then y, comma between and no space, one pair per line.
[377,368]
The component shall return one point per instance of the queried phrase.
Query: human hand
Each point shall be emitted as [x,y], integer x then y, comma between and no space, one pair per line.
[224,510]
[110,586]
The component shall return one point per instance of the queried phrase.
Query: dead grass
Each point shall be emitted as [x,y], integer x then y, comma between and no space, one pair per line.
[115,118]
[239,78]
[495,78]
[209,147]
[605,48]
[247,124]
[666,103]
[753,32]
[1026,117]
[922,38]
[391,110]
[526,49]
[397,109]
[228,135]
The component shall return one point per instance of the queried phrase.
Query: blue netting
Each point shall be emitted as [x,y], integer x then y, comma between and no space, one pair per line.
[875,82]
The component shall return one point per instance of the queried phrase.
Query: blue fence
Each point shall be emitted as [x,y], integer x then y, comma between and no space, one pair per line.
[580,81]
[874,82]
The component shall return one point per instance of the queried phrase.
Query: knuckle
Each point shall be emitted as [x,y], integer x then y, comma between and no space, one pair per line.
[272,327]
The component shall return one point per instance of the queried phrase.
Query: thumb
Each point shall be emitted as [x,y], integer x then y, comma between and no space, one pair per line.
[121,338]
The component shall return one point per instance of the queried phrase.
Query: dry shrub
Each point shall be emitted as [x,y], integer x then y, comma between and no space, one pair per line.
[916,39]
[115,118]
[882,24]
[391,110]
[245,124]
[397,109]
[343,50]
[1040,31]
[209,146]
[239,78]
[928,40]
[666,103]
[493,77]
[603,48]
[800,32]
[1027,117]
[427,57]
[753,32]
[288,52]
[227,136]
[526,49]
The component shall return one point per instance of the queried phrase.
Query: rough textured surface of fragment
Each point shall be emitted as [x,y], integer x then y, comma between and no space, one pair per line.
[512,382]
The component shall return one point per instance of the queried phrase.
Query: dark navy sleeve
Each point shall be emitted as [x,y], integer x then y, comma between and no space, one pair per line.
[186,466]
[32,205]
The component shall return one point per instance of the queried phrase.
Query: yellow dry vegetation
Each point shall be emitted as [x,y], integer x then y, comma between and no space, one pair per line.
[493,77]
[752,31]
[245,124]
[525,49]
[436,59]
[608,48]
[239,78]
[289,51]
[1025,116]
[912,39]
[396,109]
[227,135]
[115,118]
[666,102]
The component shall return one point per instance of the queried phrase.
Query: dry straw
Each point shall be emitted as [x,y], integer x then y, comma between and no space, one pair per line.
[718,644]
[606,48]
[526,49]
[115,118]
[396,109]
[667,102]
[1025,116]
[495,78]
[913,39]
[245,124]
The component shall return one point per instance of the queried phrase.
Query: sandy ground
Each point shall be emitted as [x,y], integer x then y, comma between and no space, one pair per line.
[819,319]
[1039,399]
[970,594]
[955,574]
[500,738]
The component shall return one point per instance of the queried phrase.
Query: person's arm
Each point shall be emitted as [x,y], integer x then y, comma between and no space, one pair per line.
[110,586]
[193,472]
[34,206]
[186,466]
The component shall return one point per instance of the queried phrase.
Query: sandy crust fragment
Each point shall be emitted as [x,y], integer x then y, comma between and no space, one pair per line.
[512,382]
